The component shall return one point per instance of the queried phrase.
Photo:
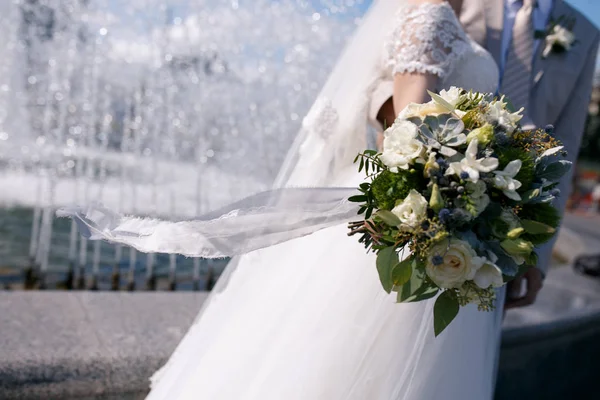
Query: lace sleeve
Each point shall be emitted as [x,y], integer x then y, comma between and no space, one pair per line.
[426,38]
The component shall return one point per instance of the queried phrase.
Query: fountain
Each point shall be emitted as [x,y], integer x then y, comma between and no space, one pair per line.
[150,107]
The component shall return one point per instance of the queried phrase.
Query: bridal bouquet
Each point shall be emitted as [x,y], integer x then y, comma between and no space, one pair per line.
[457,200]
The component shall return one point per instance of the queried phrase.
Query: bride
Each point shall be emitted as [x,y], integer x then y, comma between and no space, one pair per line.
[307,319]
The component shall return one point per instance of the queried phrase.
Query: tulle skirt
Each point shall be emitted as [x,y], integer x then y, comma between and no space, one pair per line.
[309,320]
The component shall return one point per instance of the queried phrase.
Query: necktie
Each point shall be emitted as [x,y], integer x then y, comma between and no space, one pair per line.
[516,83]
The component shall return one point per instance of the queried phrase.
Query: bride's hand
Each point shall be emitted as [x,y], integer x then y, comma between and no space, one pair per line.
[533,279]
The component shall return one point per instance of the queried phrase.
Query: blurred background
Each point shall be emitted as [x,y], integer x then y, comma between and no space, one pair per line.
[164,108]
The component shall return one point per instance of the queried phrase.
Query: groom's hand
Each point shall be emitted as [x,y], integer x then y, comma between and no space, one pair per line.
[533,282]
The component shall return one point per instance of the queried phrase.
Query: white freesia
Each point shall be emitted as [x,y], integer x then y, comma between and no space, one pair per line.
[452,262]
[497,113]
[411,211]
[452,96]
[504,180]
[401,148]
[471,165]
[488,275]
[559,36]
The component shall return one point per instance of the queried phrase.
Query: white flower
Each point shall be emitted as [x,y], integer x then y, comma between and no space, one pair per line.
[498,114]
[452,262]
[401,148]
[504,180]
[559,36]
[452,96]
[470,166]
[488,275]
[421,110]
[411,211]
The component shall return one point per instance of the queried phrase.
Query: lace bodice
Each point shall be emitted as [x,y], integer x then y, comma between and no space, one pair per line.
[428,38]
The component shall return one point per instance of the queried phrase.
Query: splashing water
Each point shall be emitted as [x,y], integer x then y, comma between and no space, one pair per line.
[151,107]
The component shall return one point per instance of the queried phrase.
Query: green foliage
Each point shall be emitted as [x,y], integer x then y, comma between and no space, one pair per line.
[402,272]
[543,213]
[527,172]
[388,217]
[470,101]
[445,309]
[536,228]
[387,259]
[389,187]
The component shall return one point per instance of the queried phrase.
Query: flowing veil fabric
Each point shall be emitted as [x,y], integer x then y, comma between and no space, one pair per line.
[317,326]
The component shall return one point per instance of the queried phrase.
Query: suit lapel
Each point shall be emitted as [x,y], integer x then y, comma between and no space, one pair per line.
[494,16]
[539,63]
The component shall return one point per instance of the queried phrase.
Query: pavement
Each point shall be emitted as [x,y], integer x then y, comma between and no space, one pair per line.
[57,345]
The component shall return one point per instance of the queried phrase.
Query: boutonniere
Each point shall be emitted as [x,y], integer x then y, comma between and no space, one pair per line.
[558,37]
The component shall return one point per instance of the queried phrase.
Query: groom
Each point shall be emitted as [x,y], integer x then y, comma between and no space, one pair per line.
[553,86]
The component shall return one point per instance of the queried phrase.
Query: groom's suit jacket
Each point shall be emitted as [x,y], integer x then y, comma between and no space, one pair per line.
[561,83]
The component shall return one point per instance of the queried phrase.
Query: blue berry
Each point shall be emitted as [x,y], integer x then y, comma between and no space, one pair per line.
[453,184]
[443,181]
[549,129]
[502,139]
[437,260]
[460,189]
[425,225]
[444,214]
[464,175]
[441,162]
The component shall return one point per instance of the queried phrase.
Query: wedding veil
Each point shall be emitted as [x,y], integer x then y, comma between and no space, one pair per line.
[333,132]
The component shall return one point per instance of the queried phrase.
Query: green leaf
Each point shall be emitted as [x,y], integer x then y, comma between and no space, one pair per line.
[438,99]
[553,172]
[357,199]
[445,309]
[536,228]
[388,217]
[387,259]
[425,292]
[412,288]
[402,272]
[361,165]
[369,212]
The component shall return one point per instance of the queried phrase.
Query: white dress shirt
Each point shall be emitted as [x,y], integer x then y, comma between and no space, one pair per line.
[541,15]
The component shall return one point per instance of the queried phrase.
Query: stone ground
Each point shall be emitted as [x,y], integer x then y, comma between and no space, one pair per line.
[75,344]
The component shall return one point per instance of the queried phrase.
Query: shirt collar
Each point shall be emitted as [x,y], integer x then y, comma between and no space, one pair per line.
[545,6]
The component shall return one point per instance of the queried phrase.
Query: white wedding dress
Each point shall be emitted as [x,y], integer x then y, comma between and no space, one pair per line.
[308,320]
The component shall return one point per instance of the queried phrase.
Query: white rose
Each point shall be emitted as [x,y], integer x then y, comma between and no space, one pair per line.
[488,275]
[401,148]
[422,110]
[452,262]
[411,211]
